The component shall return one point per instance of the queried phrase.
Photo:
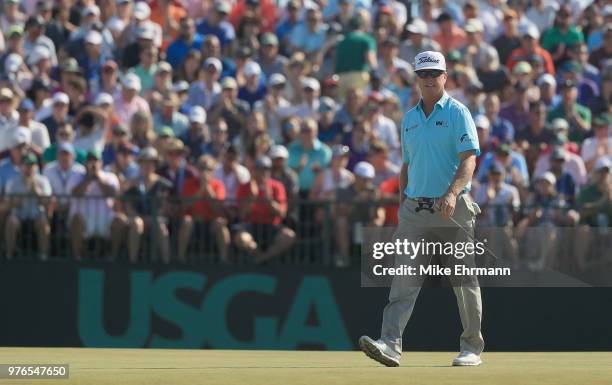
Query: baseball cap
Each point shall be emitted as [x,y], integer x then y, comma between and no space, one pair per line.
[571,66]
[558,153]
[326,104]
[15,30]
[91,10]
[197,115]
[13,62]
[163,66]
[93,37]
[40,52]
[103,98]
[559,124]
[21,135]
[311,83]
[263,162]
[417,26]
[269,38]
[546,79]
[166,132]
[115,24]
[251,68]
[148,154]
[482,121]
[93,154]
[277,79]
[496,168]
[473,26]
[504,148]
[60,98]
[364,170]
[120,129]
[26,104]
[601,120]
[70,65]
[279,151]
[65,147]
[229,83]
[531,31]
[145,32]
[29,158]
[6,93]
[567,84]
[444,16]
[132,82]
[180,86]
[603,162]
[213,61]
[522,68]
[548,177]
[142,11]
[429,60]
[339,150]
[110,64]
[222,6]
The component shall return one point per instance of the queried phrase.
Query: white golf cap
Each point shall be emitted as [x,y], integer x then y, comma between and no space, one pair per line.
[311,83]
[548,176]
[279,151]
[473,25]
[559,124]
[482,121]
[603,162]
[21,135]
[532,31]
[547,79]
[213,61]
[61,97]
[251,68]
[115,24]
[429,60]
[276,79]
[146,32]
[417,26]
[132,82]
[180,86]
[142,11]
[197,115]
[91,10]
[103,98]
[40,52]
[13,62]
[93,37]
[364,170]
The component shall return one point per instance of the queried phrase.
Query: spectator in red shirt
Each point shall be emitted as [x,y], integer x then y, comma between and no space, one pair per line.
[530,46]
[262,205]
[389,189]
[205,194]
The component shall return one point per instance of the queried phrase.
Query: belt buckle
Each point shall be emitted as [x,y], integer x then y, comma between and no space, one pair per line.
[425,204]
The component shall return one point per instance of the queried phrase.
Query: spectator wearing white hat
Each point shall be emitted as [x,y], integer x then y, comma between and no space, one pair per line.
[141,13]
[9,117]
[92,59]
[476,52]
[600,144]
[309,36]
[418,41]
[361,212]
[17,144]
[39,132]
[548,91]
[205,91]
[309,107]
[254,88]
[281,172]
[233,110]
[35,36]
[128,102]
[59,173]
[59,114]
[11,16]
[271,104]
[197,134]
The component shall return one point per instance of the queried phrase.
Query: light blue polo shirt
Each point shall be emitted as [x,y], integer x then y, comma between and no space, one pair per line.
[320,153]
[431,146]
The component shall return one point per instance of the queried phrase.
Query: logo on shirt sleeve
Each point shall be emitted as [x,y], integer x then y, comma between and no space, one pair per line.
[464,137]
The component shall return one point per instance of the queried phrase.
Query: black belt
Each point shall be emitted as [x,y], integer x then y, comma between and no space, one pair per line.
[426,203]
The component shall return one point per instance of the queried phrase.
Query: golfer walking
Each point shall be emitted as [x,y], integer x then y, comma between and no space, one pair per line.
[439,146]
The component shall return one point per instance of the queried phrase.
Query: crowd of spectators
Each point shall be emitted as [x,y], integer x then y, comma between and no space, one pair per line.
[173,122]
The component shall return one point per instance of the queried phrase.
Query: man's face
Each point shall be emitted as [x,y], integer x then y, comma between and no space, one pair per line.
[93,165]
[109,73]
[312,20]
[28,169]
[65,159]
[483,135]
[6,106]
[529,43]
[537,115]
[211,48]
[569,95]
[15,43]
[269,51]
[18,151]
[128,93]
[564,19]
[60,109]
[307,132]
[25,115]
[147,167]
[431,82]
[92,49]
[63,135]
[187,29]
[496,177]
[174,158]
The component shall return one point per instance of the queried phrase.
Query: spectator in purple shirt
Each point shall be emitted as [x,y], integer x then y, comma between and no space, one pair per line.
[517,111]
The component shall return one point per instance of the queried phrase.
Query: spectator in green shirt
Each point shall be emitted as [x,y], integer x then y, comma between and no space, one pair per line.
[355,57]
[577,115]
[561,35]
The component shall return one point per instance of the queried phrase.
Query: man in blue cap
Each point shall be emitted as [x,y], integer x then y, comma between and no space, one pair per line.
[439,148]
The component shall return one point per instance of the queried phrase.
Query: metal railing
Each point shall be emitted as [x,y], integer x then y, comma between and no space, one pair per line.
[106,228]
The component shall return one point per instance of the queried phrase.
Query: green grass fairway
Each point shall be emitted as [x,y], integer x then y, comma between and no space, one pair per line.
[219,367]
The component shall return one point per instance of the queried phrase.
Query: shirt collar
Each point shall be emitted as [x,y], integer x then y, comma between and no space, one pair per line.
[441,102]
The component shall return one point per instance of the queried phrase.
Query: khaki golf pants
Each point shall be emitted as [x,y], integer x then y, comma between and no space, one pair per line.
[423,225]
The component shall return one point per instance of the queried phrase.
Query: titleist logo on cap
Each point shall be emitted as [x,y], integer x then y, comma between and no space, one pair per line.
[427,59]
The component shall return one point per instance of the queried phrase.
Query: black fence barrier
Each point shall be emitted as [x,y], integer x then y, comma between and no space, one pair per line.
[93,304]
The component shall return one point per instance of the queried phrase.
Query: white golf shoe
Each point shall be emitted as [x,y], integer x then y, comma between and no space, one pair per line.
[379,351]
[467,359]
